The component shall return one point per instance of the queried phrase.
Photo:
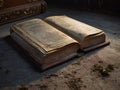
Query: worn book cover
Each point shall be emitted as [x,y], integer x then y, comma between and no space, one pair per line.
[88,37]
[47,45]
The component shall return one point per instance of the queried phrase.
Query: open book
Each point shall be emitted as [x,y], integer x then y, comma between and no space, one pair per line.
[56,41]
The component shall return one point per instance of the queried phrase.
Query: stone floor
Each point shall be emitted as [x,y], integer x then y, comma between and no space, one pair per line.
[16,73]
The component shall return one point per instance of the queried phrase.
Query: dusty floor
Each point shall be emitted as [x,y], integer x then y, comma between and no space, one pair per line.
[16,73]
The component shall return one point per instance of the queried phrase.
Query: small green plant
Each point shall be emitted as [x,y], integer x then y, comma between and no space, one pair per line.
[104,71]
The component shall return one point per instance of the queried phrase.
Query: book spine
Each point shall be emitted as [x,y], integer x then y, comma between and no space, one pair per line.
[22,11]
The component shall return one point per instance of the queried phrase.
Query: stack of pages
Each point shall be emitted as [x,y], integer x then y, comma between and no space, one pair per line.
[56,39]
